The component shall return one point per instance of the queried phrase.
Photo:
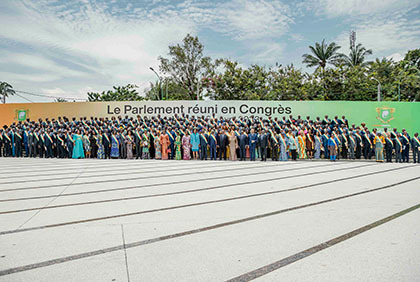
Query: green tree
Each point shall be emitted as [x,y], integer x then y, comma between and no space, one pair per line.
[322,55]
[119,93]
[357,56]
[173,90]
[407,77]
[236,83]
[289,83]
[412,59]
[187,65]
[383,70]
[6,90]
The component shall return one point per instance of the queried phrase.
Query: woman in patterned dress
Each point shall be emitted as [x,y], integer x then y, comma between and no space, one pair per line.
[186,145]
[310,144]
[284,153]
[318,145]
[115,146]
[129,143]
[178,147]
[86,145]
[302,145]
[158,148]
[101,152]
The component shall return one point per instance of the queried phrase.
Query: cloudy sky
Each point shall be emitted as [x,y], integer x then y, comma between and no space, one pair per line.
[66,48]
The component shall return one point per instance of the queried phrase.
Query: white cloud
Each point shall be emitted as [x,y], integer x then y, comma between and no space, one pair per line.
[338,8]
[241,19]
[396,57]
[245,19]
[84,46]
[73,45]
[385,36]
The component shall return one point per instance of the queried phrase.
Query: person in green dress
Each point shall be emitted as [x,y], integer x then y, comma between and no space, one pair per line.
[78,152]
[178,147]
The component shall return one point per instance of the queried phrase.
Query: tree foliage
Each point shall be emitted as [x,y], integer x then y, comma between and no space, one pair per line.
[357,56]
[322,55]
[118,93]
[187,65]
[6,90]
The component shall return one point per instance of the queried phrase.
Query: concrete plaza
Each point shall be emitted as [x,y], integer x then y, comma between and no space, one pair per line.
[133,220]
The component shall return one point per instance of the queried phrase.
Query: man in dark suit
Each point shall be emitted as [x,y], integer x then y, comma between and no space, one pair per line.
[406,140]
[415,146]
[243,143]
[18,143]
[389,145]
[172,137]
[137,142]
[274,144]
[48,141]
[213,144]
[204,141]
[398,145]
[106,141]
[223,142]
[253,140]
[263,143]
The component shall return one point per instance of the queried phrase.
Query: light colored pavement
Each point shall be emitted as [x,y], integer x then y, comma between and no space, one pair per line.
[132,220]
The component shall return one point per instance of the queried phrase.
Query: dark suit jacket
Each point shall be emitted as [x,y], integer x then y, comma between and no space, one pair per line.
[223,140]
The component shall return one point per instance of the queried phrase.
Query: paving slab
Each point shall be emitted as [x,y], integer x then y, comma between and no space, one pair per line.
[134,220]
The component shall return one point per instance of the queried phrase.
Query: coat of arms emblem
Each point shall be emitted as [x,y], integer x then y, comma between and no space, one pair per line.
[385,114]
[21,115]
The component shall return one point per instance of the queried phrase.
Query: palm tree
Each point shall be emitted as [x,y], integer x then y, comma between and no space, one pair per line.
[6,89]
[322,54]
[356,57]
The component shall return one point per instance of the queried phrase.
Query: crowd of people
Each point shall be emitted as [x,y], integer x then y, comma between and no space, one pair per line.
[185,138]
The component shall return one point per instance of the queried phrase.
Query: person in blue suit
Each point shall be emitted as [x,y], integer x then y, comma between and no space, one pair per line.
[213,144]
[253,140]
[243,142]
[204,141]
[172,137]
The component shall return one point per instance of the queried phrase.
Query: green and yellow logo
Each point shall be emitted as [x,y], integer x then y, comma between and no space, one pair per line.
[22,115]
[385,114]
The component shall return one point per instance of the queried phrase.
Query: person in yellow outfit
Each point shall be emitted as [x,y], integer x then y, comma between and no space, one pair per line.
[302,145]
[379,142]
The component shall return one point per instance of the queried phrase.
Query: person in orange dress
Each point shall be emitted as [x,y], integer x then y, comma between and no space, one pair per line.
[164,142]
